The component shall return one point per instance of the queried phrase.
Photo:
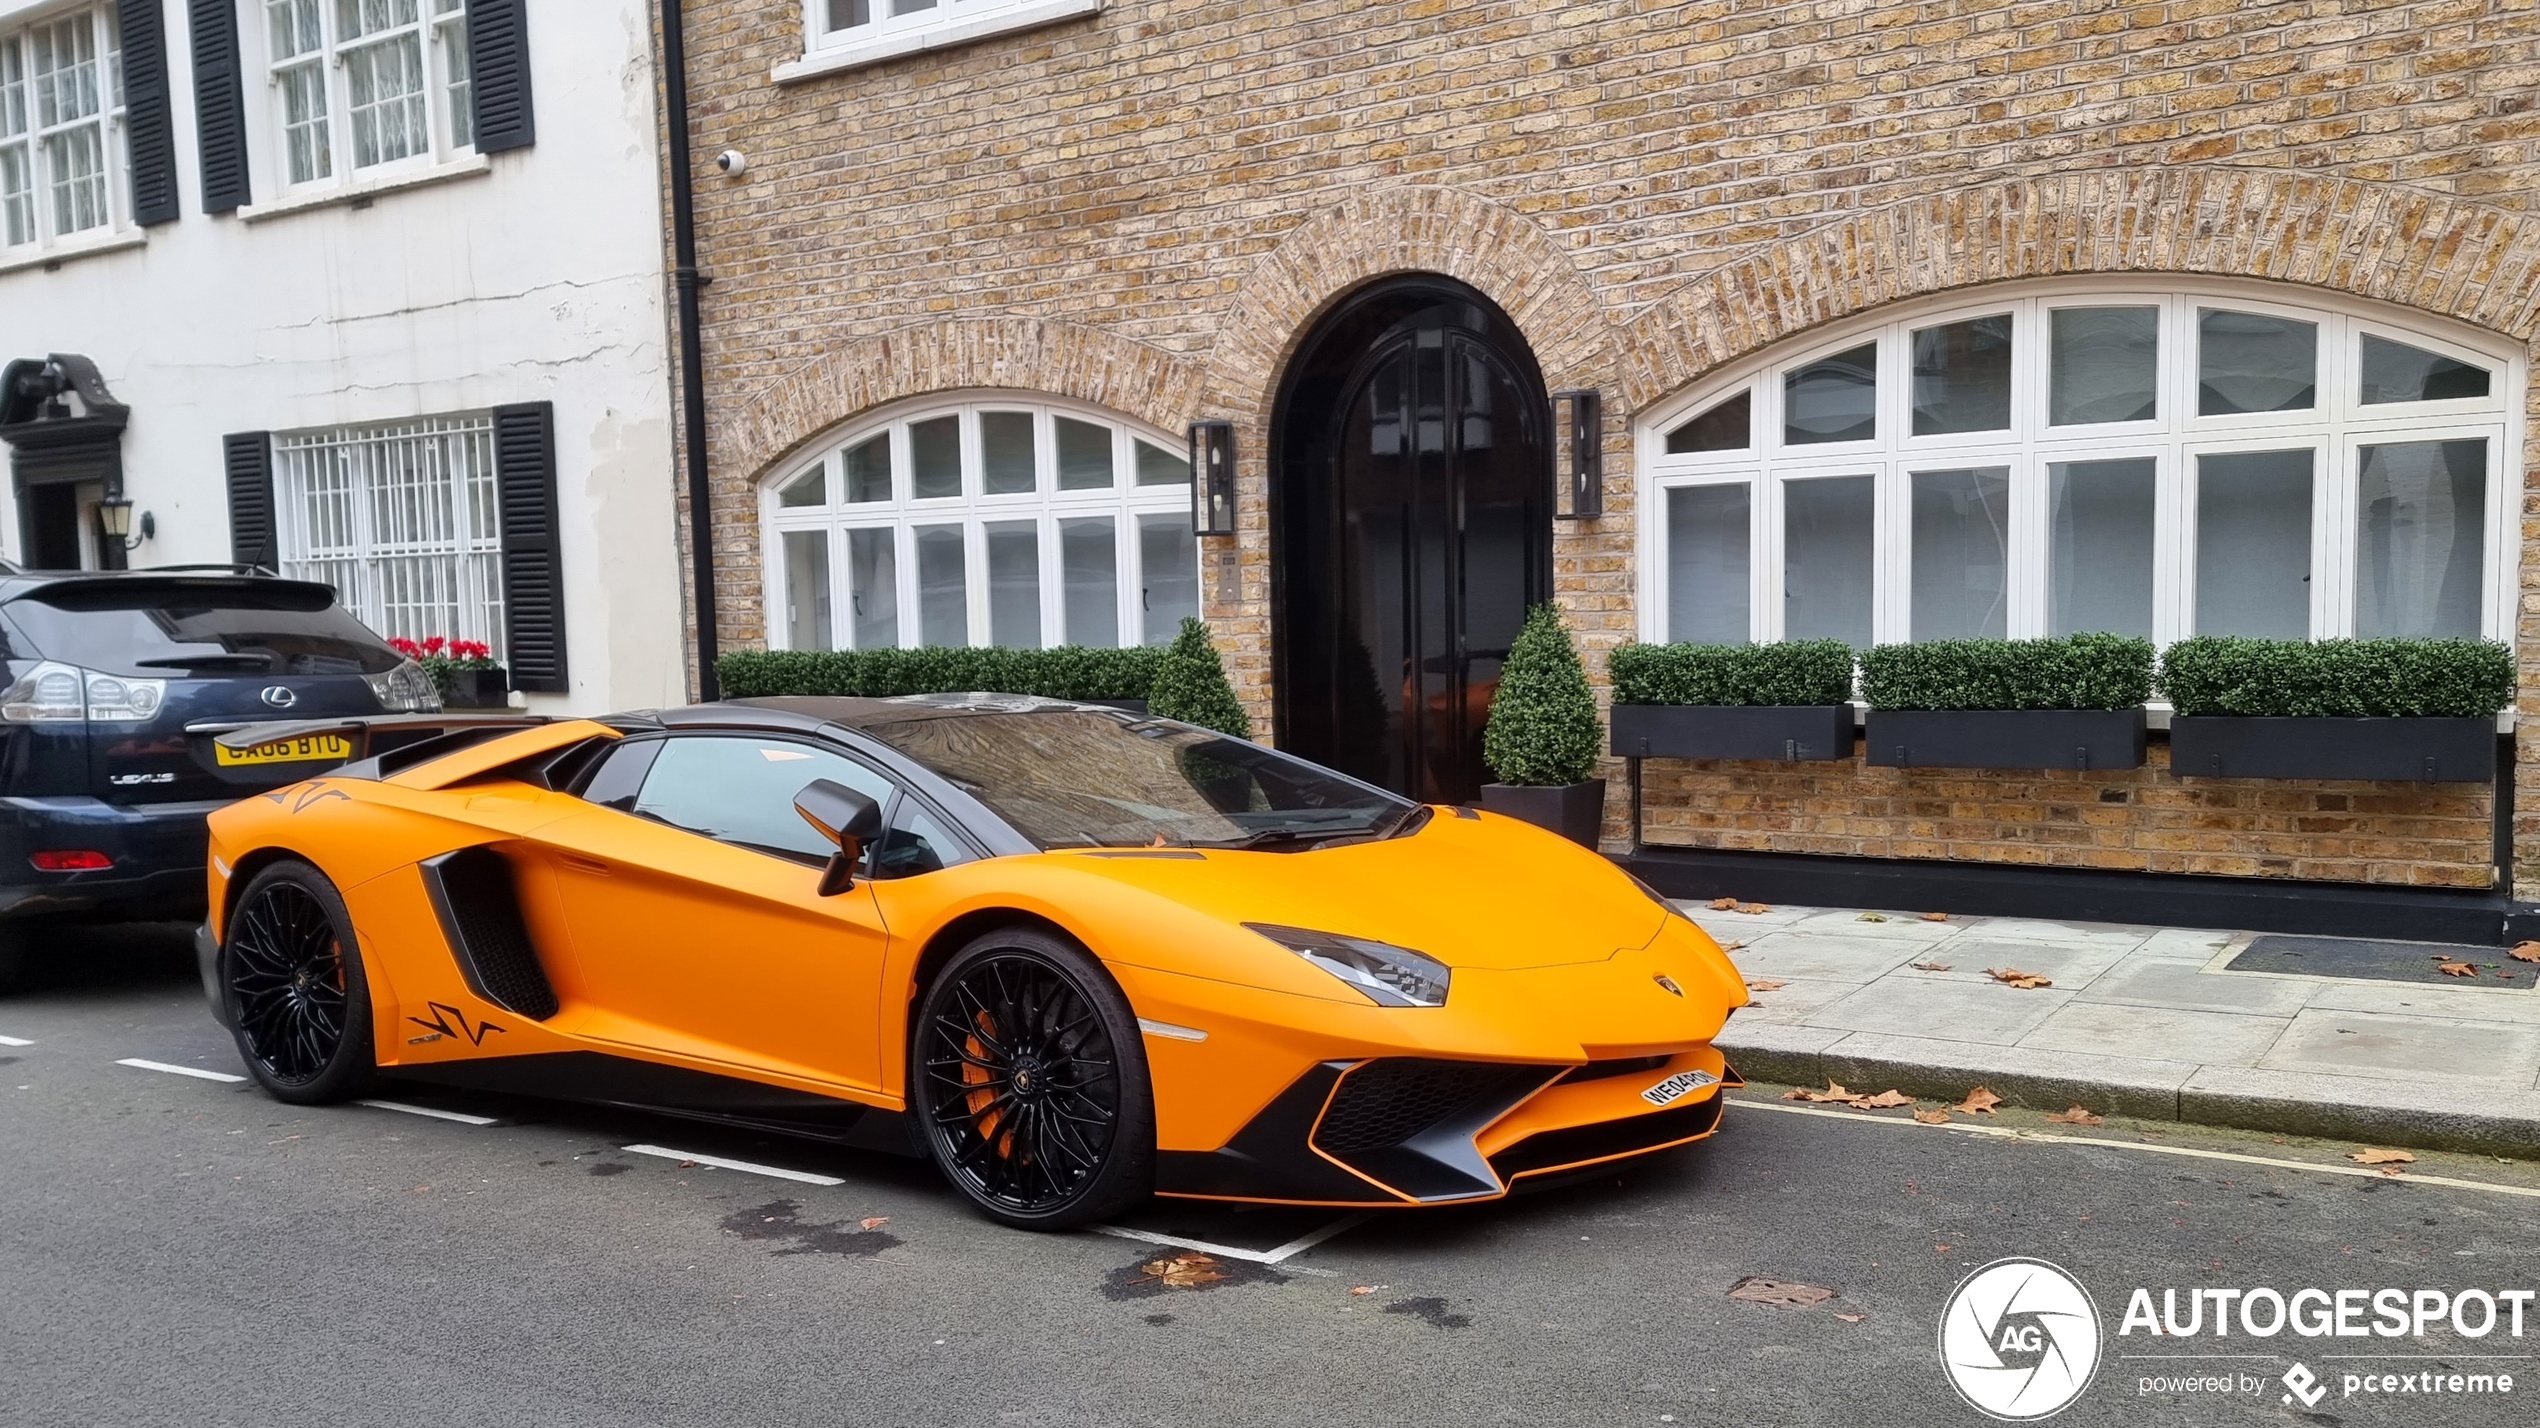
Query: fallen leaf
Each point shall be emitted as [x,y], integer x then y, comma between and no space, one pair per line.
[1364,1288]
[2505,972]
[1751,908]
[1883,1100]
[1931,966]
[2524,952]
[2374,1155]
[1788,1294]
[1723,904]
[1731,946]
[1187,1270]
[1852,1318]
[2457,969]
[2014,977]
[2077,1116]
[873,1222]
[1943,1249]
[1871,917]
[1765,984]
[1979,1102]
[1932,1117]
[1833,1092]
[1935,917]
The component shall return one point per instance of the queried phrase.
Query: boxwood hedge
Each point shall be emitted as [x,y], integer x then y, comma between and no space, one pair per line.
[2073,672]
[2390,678]
[1794,672]
[1066,672]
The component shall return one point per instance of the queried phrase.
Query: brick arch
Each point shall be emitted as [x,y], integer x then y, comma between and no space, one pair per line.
[1058,358]
[2463,260]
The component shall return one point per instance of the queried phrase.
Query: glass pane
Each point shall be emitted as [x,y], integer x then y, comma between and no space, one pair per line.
[1962,376]
[2253,544]
[2396,372]
[1960,524]
[1707,563]
[809,489]
[1014,584]
[845,14]
[1089,568]
[1730,426]
[1168,562]
[807,590]
[1835,399]
[934,458]
[742,790]
[1005,453]
[1826,559]
[869,470]
[910,7]
[1159,467]
[1084,455]
[2106,365]
[916,843]
[2247,362]
[2099,547]
[2421,541]
[873,586]
[943,589]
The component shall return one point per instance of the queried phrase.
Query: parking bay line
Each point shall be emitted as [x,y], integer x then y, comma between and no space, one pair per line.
[196,1072]
[460,1117]
[719,1163]
[1280,1255]
[2405,1177]
[15,1041]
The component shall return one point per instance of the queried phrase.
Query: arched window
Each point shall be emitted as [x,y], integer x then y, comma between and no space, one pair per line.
[992,520]
[2046,459]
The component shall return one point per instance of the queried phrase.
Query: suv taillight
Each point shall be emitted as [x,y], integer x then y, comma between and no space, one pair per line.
[51,692]
[405,690]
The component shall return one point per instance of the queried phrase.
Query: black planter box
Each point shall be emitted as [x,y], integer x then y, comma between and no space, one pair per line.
[480,688]
[1576,811]
[2006,738]
[2387,750]
[1787,732]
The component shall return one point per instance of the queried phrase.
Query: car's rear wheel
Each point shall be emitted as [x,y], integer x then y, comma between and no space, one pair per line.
[293,980]
[1030,1082]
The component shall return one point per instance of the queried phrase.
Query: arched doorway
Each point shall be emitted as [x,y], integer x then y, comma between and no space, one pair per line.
[1411,526]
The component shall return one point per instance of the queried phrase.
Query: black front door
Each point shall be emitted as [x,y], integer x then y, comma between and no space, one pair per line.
[1413,526]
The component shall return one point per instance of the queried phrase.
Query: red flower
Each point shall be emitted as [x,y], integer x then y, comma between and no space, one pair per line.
[433,644]
[405,647]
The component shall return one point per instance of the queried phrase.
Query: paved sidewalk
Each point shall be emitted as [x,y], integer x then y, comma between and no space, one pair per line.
[2140,1021]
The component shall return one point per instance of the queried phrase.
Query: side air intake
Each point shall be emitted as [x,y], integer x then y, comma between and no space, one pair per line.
[479,907]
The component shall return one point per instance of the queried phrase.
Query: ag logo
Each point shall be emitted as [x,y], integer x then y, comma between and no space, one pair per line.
[2019,1339]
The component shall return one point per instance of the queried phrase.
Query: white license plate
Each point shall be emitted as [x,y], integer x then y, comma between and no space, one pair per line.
[1675,1088]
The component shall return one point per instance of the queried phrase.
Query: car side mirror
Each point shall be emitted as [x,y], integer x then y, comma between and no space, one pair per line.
[844,817]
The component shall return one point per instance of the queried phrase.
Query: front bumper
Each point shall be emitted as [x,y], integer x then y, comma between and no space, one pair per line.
[158,851]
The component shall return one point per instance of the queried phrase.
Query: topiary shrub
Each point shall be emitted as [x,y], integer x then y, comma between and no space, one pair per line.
[1792,672]
[1067,672]
[2074,672]
[1190,684]
[1542,727]
[2352,679]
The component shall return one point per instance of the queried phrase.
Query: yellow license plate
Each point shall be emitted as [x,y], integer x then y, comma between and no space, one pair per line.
[332,747]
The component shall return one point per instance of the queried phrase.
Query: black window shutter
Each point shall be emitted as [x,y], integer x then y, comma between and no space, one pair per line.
[533,578]
[248,456]
[149,136]
[498,74]
[220,110]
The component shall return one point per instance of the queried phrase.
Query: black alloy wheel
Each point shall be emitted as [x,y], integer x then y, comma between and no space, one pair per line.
[295,987]
[1031,1082]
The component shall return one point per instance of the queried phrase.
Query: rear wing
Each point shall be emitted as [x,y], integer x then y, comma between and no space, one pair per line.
[280,751]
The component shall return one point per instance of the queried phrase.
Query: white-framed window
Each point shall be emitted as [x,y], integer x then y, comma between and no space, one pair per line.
[991,519]
[64,171]
[2050,458]
[402,519]
[844,24]
[358,87]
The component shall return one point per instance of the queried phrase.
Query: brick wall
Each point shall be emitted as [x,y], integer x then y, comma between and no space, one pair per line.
[1146,209]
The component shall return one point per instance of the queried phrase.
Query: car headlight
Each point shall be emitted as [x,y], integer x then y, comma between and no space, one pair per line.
[1387,975]
[405,690]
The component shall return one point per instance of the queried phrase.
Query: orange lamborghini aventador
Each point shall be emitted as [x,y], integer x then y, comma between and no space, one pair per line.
[1076,955]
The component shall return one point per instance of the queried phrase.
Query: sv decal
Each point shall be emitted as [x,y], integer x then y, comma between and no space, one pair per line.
[440,1025]
[301,795]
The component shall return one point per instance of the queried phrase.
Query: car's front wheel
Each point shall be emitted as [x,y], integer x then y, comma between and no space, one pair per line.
[1030,1082]
[293,979]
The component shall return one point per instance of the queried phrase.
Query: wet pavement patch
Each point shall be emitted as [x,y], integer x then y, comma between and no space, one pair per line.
[1163,1270]
[782,1220]
[611,1167]
[1159,1318]
[2371,960]
[1430,1310]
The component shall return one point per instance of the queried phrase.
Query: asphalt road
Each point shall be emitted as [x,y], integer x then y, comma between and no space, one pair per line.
[183,1251]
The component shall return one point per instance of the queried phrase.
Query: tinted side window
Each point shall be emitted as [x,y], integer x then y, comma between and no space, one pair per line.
[741,790]
[620,775]
[916,842]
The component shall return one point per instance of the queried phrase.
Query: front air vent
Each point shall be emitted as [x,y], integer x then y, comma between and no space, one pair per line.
[1618,1066]
[474,896]
[1409,1122]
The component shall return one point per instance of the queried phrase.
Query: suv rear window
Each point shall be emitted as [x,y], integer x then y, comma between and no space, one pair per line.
[195,628]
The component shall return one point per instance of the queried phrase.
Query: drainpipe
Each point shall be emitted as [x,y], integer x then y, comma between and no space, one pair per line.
[692,377]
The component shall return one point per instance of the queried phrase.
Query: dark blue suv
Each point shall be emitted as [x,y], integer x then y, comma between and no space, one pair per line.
[107,674]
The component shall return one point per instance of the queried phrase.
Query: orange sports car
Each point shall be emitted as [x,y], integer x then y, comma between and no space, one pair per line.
[1077,955]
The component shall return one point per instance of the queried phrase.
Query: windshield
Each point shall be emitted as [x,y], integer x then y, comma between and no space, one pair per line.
[179,629]
[1083,778]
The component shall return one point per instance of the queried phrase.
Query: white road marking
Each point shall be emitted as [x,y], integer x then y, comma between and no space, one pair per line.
[461,1117]
[2407,1177]
[197,1072]
[1269,1256]
[719,1163]
[1305,1242]
[15,1041]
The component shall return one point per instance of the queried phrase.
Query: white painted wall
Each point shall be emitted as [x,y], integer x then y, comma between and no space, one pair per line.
[538,280]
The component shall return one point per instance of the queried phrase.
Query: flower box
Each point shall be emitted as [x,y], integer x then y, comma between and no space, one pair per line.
[1576,811]
[479,688]
[2412,750]
[1784,732]
[2006,738]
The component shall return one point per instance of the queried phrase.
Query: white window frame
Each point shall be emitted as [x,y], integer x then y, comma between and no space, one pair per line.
[890,30]
[1124,501]
[2337,428]
[437,24]
[345,514]
[46,233]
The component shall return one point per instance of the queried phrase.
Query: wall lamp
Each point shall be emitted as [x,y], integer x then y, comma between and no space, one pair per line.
[114,519]
[1587,453]
[1213,469]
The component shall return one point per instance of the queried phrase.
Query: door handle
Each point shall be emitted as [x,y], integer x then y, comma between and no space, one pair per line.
[582,864]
